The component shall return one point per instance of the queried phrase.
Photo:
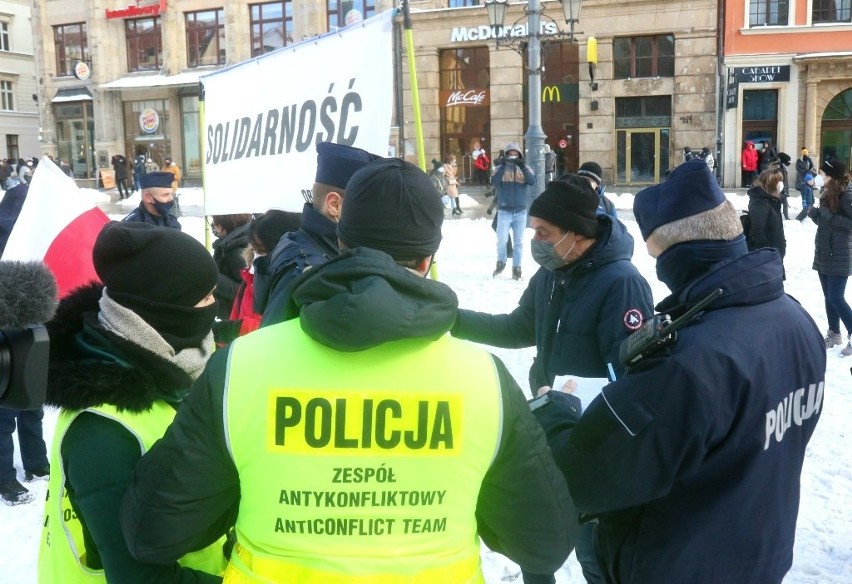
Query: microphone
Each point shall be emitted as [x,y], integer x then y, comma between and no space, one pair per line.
[28,294]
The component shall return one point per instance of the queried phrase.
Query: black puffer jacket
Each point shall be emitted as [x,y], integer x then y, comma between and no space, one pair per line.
[228,253]
[89,367]
[833,243]
[767,226]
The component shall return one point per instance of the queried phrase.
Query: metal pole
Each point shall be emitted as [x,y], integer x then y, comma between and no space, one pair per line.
[534,138]
[412,80]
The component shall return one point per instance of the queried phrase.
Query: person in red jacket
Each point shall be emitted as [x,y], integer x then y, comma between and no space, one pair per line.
[749,163]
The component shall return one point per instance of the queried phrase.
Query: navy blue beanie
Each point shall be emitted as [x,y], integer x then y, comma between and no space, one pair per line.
[690,189]
[337,163]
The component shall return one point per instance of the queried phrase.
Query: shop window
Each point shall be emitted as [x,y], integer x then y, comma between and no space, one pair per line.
[760,115]
[144,44]
[205,38]
[768,12]
[462,3]
[4,36]
[7,96]
[465,79]
[271,26]
[345,12]
[71,46]
[832,11]
[644,56]
[12,150]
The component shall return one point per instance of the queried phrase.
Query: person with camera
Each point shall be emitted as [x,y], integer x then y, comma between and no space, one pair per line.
[511,181]
[582,303]
[432,436]
[707,430]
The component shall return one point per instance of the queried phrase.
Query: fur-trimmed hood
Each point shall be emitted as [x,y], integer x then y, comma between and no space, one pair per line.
[90,366]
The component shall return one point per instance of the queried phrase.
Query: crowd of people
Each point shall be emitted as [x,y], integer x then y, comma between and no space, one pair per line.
[382,425]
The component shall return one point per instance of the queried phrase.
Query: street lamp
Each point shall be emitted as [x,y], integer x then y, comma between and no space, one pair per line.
[535,136]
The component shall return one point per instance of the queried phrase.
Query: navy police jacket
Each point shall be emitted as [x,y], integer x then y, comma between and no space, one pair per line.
[312,245]
[576,316]
[692,461]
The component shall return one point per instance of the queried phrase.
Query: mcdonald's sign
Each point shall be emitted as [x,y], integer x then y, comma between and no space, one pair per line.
[551,93]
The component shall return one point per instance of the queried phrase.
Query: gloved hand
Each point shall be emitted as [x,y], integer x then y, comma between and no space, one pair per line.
[813,211]
[489,211]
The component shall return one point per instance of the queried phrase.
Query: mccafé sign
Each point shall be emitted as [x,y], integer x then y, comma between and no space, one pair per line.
[464,97]
[146,9]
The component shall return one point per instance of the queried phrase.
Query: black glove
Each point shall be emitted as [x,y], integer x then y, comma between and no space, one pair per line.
[813,211]
[489,210]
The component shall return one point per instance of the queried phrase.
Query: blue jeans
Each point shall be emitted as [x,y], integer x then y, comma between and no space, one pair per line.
[807,196]
[836,307]
[33,448]
[517,222]
[587,555]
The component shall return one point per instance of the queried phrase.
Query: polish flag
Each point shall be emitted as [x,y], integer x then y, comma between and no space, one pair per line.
[58,224]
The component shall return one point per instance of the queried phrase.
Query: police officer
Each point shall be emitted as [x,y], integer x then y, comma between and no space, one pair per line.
[375,447]
[697,451]
[157,202]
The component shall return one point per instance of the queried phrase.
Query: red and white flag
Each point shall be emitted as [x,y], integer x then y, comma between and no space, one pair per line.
[58,224]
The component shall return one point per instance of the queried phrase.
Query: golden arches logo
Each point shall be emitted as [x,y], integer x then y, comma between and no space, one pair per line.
[549,93]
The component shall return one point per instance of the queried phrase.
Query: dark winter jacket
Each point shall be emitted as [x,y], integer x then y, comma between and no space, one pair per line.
[119,165]
[767,226]
[833,241]
[89,367]
[10,209]
[141,215]
[511,181]
[139,167]
[228,253]
[692,460]
[804,165]
[576,316]
[767,155]
[530,519]
[312,245]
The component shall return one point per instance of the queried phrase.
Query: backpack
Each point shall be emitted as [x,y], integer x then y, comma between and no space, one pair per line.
[745,220]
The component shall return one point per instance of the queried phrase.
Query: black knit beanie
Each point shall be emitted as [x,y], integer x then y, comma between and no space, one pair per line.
[569,203]
[592,170]
[834,168]
[160,274]
[391,205]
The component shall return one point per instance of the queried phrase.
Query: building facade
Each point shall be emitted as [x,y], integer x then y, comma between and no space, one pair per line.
[19,123]
[788,79]
[653,91]
[121,76]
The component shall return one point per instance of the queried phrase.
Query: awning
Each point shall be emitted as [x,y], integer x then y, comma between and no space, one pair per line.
[143,81]
[72,94]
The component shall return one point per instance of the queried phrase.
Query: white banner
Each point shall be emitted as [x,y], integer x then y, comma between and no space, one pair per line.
[263,118]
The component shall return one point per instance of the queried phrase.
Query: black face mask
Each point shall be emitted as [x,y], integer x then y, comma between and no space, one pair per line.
[682,263]
[180,326]
[163,208]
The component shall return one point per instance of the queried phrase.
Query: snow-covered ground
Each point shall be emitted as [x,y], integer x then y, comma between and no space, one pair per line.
[823,552]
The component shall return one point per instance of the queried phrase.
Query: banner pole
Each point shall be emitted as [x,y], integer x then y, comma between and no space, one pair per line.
[412,78]
[207,243]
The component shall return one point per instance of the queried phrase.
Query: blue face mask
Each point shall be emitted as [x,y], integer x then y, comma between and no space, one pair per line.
[544,255]
[163,208]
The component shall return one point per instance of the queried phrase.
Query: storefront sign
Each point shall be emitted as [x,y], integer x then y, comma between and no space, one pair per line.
[484,32]
[463,97]
[145,9]
[769,74]
[149,120]
[82,71]
[732,94]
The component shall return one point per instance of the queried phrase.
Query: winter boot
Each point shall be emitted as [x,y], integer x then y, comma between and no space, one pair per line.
[456,207]
[847,350]
[832,339]
[516,273]
[37,473]
[14,493]
[500,267]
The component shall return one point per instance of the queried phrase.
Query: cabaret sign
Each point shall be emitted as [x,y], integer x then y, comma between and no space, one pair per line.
[140,9]
[769,74]
[484,32]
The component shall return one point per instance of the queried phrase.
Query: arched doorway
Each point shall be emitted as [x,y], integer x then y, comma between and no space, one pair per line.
[836,130]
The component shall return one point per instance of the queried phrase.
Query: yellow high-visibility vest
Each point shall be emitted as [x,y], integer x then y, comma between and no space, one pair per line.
[62,554]
[359,467]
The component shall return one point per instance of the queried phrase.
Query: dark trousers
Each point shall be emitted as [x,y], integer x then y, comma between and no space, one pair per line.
[836,307]
[33,448]
[123,191]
